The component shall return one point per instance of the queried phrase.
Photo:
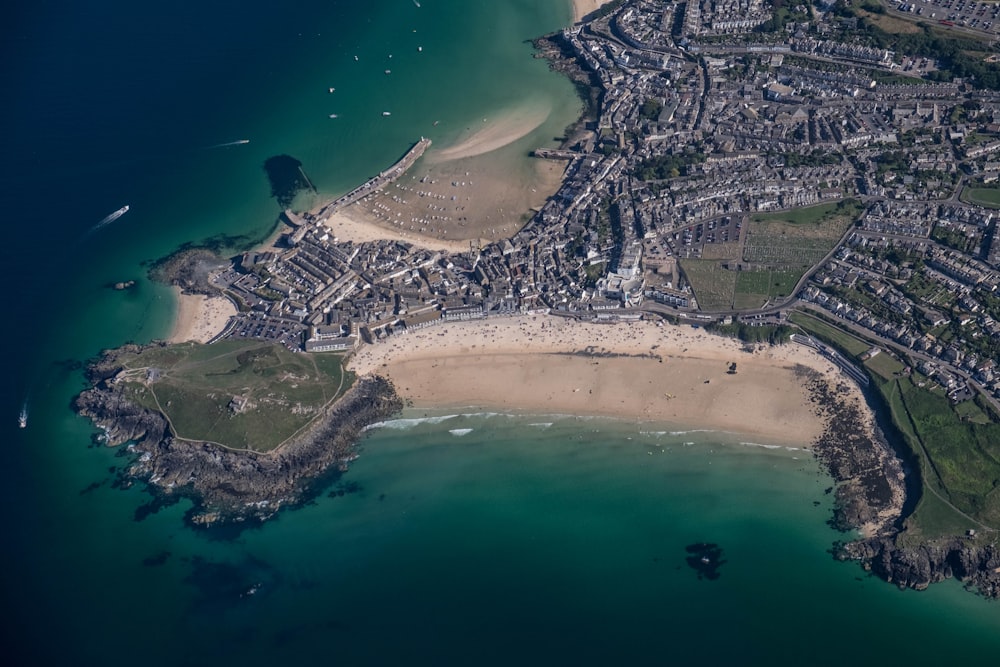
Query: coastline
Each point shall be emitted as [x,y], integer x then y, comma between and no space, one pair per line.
[476,189]
[583,7]
[669,374]
[199,317]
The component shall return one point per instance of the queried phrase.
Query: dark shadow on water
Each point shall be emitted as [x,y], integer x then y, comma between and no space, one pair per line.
[222,584]
[156,559]
[286,177]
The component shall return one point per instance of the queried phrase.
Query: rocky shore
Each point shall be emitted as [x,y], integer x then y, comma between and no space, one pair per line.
[871,486]
[918,566]
[189,269]
[231,485]
[872,497]
[557,51]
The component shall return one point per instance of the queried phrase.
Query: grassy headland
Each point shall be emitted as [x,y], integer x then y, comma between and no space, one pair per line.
[239,394]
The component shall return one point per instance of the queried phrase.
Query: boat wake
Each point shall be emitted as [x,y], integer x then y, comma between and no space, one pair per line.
[238,142]
[108,219]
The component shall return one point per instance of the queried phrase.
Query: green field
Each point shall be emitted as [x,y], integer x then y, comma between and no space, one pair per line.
[958,446]
[240,394]
[988,197]
[713,285]
[816,327]
[754,288]
[799,238]
[884,365]
[961,458]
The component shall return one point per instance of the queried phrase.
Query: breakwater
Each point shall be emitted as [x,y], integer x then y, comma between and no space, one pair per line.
[373,184]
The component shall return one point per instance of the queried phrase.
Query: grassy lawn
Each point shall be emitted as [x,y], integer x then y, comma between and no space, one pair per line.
[988,197]
[970,412]
[713,286]
[885,365]
[809,215]
[753,288]
[820,329]
[195,387]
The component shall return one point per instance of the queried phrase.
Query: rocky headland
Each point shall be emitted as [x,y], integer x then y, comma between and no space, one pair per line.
[225,484]
[874,495]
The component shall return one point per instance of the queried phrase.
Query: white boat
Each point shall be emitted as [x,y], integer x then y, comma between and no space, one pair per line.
[22,418]
[333,115]
[416,3]
[386,113]
[332,89]
[388,71]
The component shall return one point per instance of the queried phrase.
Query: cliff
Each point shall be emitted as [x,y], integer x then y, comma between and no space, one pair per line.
[976,565]
[227,484]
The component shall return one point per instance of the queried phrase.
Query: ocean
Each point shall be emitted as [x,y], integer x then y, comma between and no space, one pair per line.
[474,539]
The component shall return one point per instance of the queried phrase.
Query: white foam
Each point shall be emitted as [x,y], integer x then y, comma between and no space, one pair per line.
[404,424]
[459,432]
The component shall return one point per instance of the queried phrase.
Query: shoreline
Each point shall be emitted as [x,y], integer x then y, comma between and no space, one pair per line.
[583,7]
[659,374]
[199,317]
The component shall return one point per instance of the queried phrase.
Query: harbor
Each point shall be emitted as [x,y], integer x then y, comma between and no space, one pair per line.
[373,184]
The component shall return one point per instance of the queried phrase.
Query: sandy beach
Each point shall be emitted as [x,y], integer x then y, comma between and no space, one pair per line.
[583,7]
[446,201]
[199,317]
[505,128]
[666,374]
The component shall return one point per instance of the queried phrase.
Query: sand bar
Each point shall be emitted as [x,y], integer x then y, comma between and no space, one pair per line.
[200,318]
[675,375]
[502,130]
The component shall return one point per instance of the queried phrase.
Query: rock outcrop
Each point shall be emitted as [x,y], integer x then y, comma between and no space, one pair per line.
[228,484]
[975,564]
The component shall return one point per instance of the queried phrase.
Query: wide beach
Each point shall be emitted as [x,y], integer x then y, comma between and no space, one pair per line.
[537,364]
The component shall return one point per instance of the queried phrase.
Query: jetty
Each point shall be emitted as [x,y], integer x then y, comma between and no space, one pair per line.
[373,184]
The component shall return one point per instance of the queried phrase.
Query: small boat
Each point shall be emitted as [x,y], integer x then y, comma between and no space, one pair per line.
[416,2]
[386,113]
[332,89]
[420,48]
[22,418]
[388,71]
[333,115]
[355,58]
[436,122]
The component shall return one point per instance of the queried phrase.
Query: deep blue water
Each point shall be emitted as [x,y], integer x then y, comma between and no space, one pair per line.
[514,542]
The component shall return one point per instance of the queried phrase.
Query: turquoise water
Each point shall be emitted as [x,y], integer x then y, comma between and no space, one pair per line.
[516,541]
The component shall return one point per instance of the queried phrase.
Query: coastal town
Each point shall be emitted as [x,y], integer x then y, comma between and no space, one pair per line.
[705,126]
[780,177]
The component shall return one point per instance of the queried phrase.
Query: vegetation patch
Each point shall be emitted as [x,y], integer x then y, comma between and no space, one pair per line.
[239,394]
[844,341]
[988,197]
[798,238]
[962,457]
[713,285]
[884,365]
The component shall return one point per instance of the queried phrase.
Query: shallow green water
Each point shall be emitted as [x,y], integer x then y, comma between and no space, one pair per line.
[515,542]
